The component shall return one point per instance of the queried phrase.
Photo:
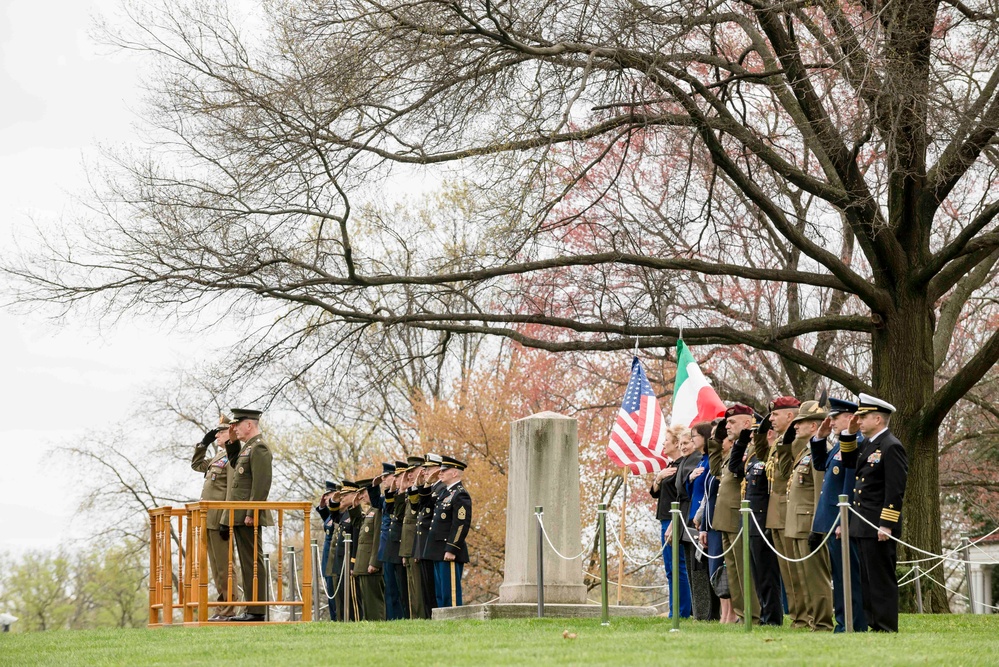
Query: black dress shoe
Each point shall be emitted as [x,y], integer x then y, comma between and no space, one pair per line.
[249,617]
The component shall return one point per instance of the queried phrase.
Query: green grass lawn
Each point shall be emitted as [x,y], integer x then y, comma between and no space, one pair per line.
[924,640]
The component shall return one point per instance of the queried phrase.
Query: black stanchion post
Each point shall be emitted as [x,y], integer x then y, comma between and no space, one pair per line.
[844,533]
[602,528]
[538,514]
[747,581]
[674,589]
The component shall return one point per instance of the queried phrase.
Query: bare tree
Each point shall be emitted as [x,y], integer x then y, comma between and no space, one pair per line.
[842,148]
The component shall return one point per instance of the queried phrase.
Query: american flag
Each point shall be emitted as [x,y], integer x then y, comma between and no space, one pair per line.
[640,430]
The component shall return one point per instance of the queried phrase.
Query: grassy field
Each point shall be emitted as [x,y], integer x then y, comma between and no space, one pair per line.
[924,640]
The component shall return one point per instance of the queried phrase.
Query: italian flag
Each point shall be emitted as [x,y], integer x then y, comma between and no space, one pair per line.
[694,400]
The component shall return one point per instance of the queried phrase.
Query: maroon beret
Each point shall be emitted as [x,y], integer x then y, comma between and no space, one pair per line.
[738,409]
[784,402]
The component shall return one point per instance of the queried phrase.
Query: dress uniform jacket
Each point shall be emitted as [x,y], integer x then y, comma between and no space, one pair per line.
[386,503]
[218,481]
[368,541]
[427,499]
[409,518]
[452,517]
[342,529]
[726,516]
[754,473]
[394,545]
[838,479]
[251,471]
[778,461]
[803,491]
[882,471]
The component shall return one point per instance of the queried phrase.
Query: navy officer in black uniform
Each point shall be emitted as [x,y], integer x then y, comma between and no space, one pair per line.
[882,472]
[446,540]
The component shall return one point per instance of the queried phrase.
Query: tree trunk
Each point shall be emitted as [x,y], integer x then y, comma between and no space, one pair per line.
[903,374]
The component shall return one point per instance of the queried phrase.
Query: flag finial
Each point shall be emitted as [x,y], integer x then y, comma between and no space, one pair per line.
[636,346]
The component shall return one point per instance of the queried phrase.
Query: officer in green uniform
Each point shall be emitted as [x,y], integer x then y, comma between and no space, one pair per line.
[218,484]
[778,456]
[803,491]
[411,510]
[727,519]
[250,460]
[367,570]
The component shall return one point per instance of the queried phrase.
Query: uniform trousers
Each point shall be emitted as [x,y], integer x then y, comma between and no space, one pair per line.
[880,588]
[371,588]
[429,589]
[393,598]
[447,581]
[818,589]
[328,580]
[766,578]
[684,582]
[244,545]
[790,574]
[733,563]
[836,561]
[415,586]
[218,561]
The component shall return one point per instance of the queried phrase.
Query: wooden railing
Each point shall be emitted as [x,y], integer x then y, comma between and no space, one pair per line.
[188,548]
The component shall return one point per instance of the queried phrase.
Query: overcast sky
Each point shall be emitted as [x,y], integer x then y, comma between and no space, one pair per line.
[61,96]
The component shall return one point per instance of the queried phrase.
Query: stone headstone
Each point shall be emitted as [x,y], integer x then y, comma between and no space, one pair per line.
[543,471]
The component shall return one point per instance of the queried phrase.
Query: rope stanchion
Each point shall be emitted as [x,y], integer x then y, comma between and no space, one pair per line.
[602,533]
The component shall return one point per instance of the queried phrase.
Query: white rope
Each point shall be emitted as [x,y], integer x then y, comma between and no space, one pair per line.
[697,546]
[544,532]
[631,560]
[987,554]
[961,595]
[906,544]
[614,583]
[821,546]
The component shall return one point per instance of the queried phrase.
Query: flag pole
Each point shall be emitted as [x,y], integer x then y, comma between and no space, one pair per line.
[624,520]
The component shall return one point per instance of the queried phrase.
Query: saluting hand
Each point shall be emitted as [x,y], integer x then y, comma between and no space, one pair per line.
[854,425]
[825,428]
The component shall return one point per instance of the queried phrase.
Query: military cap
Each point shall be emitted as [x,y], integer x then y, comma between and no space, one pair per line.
[388,468]
[431,460]
[363,483]
[239,414]
[414,462]
[738,409]
[349,486]
[401,466]
[224,422]
[810,411]
[870,403]
[838,406]
[450,462]
[784,402]
[331,485]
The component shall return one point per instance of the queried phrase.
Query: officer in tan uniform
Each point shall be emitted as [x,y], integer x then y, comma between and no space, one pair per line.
[250,463]
[218,484]
[367,570]
[803,491]
[778,455]
[727,519]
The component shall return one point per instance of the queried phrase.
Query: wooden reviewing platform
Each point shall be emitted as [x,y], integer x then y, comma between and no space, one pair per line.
[186,544]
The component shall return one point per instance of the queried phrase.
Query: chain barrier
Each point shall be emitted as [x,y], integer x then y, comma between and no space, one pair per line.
[544,532]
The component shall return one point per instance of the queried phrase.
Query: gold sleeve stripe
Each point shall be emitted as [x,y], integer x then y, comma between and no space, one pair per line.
[890,515]
[847,445]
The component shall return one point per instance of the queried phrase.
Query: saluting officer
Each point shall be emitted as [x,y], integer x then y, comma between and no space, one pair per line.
[367,570]
[342,505]
[395,573]
[763,561]
[429,490]
[803,491]
[329,529]
[218,486]
[779,460]
[387,500]
[251,471]
[411,512]
[838,480]
[882,473]
[452,517]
